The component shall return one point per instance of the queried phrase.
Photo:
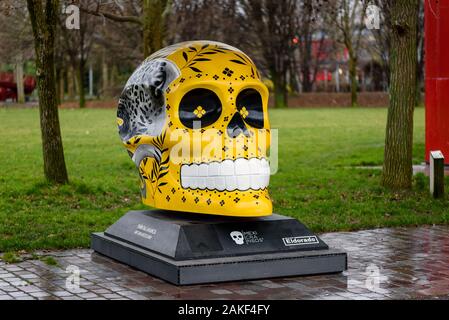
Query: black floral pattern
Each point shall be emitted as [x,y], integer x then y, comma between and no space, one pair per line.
[160,165]
[228,72]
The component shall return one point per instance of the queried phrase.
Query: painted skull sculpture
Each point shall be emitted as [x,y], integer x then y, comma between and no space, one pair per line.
[194,118]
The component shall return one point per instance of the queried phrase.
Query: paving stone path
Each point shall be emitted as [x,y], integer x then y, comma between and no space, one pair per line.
[399,263]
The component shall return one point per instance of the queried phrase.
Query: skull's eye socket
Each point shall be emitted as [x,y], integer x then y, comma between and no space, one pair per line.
[249,105]
[199,105]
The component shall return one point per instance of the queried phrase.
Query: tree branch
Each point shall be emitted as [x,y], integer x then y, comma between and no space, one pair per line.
[112,16]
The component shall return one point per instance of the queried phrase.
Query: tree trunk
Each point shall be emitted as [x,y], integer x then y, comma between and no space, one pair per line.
[353,79]
[114,76]
[421,54]
[153,25]
[70,83]
[295,84]
[398,170]
[44,18]
[58,85]
[280,90]
[146,28]
[91,81]
[104,75]
[306,54]
[61,87]
[306,83]
[19,79]
[81,84]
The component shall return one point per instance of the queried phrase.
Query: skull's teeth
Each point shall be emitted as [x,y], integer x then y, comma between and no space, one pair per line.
[241,174]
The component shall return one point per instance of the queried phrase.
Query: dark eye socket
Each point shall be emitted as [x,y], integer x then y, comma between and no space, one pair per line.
[199,105]
[249,104]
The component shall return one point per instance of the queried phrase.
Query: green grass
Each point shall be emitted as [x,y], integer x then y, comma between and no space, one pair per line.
[50,261]
[10,257]
[318,180]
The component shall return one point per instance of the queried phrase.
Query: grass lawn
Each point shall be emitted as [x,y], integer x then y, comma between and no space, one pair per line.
[318,180]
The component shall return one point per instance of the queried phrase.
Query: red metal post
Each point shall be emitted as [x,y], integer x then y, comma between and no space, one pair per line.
[437,76]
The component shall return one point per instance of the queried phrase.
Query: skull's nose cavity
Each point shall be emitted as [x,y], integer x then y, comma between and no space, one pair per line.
[237,127]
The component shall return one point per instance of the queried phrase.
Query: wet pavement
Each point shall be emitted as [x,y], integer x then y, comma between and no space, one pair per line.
[400,263]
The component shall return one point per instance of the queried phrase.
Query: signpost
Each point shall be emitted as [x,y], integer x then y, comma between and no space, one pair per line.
[437,174]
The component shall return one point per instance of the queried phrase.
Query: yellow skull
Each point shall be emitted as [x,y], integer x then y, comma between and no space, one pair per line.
[194,118]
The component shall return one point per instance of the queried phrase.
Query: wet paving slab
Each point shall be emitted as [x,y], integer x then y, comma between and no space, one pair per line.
[396,263]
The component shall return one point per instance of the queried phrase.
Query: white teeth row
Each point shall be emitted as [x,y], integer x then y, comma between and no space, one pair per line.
[241,174]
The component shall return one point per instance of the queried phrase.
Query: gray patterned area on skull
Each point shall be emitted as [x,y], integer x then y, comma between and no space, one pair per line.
[142,104]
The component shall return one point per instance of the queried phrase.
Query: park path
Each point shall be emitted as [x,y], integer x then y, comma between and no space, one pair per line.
[397,263]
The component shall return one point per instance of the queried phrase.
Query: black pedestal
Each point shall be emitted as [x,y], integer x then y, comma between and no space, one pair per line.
[185,248]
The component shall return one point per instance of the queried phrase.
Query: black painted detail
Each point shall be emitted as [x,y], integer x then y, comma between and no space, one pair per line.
[237,126]
[207,100]
[251,100]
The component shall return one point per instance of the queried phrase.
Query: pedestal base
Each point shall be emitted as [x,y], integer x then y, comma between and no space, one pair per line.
[185,249]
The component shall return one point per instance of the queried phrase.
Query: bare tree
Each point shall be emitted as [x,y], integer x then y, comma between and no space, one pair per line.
[420,53]
[78,44]
[184,16]
[311,36]
[44,19]
[16,39]
[154,15]
[347,16]
[273,23]
[148,15]
[398,169]
[380,48]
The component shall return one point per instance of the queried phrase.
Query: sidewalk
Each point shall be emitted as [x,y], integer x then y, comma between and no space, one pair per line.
[401,263]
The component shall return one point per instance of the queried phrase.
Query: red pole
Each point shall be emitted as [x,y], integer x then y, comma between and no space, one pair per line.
[437,76]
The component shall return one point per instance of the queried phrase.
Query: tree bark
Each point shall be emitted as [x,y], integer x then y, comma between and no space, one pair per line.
[146,28]
[113,76]
[153,25]
[104,75]
[280,90]
[353,79]
[81,85]
[306,49]
[70,83]
[58,85]
[44,17]
[305,70]
[398,170]
[19,79]
[61,87]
